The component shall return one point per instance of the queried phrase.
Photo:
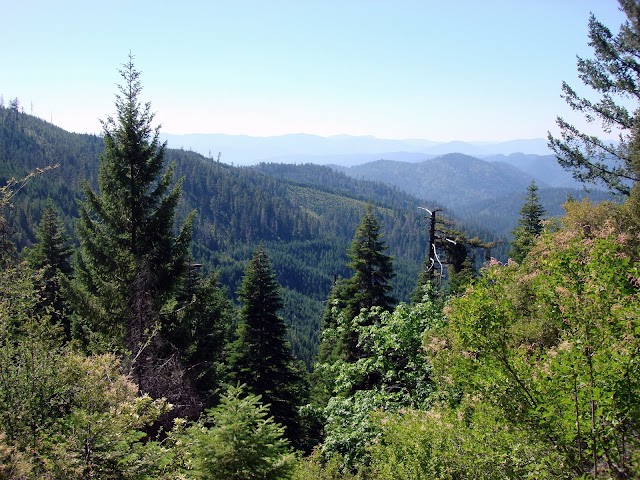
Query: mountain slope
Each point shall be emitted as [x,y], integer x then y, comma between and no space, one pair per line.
[544,168]
[305,227]
[451,180]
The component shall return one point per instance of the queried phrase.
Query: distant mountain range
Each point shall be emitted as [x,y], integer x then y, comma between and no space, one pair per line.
[343,150]
[457,180]
[366,157]
[456,174]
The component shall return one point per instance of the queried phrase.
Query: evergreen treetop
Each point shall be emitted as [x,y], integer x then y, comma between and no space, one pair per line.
[532,211]
[130,261]
[370,284]
[261,357]
[50,255]
[369,287]
[529,224]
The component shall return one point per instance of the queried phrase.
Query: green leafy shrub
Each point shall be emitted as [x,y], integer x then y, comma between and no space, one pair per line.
[553,344]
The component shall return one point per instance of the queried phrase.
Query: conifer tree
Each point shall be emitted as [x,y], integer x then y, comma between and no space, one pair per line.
[243,442]
[130,261]
[370,285]
[529,224]
[613,75]
[261,357]
[200,330]
[50,255]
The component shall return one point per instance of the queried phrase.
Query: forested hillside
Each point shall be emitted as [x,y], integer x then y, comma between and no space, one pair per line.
[500,214]
[305,216]
[484,193]
[453,179]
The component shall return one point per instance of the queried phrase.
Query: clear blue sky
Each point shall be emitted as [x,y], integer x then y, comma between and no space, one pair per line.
[432,69]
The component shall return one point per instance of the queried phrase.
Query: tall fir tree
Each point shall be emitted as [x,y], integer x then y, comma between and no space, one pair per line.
[370,285]
[261,357]
[50,255]
[529,224]
[130,262]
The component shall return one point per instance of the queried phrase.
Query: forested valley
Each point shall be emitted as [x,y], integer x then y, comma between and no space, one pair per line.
[167,316]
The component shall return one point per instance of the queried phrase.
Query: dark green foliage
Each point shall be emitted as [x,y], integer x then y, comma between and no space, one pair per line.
[368,287]
[613,74]
[370,284]
[529,225]
[260,356]
[29,145]
[130,261]
[306,227]
[461,279]
[199,331]
[531,212]
[51,257]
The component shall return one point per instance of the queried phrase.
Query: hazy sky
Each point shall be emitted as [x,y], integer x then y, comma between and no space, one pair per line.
[433,69]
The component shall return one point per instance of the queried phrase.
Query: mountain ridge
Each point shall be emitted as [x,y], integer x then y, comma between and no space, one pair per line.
[250,150]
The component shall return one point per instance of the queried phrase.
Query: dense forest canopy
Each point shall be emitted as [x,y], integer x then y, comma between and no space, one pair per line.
[304,215]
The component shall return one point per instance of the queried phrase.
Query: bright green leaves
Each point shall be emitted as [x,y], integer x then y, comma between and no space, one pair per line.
[549,341]
[242,442]
[392,373]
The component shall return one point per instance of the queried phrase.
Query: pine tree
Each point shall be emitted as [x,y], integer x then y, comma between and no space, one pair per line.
[370,284]
[50,255]
[243,442]
[529,224]
[261,357]
[130,261]
[614,74]
[368,287]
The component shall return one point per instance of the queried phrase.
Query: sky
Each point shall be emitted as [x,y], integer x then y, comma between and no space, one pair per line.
[467,70]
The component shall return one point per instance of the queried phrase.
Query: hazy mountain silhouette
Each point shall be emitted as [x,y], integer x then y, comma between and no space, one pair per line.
[345,150]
